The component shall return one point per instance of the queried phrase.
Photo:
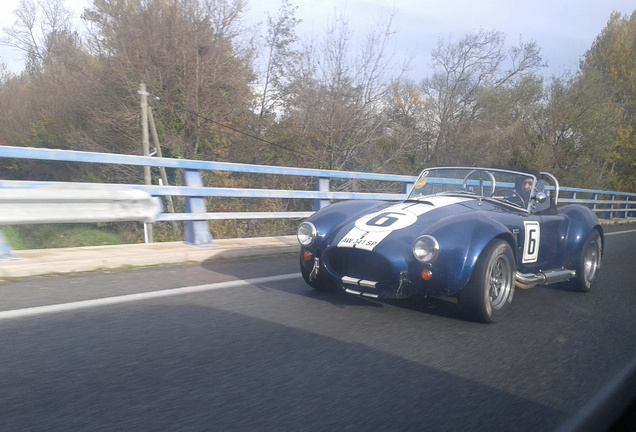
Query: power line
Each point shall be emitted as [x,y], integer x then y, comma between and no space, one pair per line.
[234,129]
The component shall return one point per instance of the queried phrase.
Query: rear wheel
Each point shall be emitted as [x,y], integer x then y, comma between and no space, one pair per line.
[488,294]
[588,263]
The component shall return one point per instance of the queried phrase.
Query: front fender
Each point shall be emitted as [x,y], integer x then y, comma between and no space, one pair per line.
[462,239]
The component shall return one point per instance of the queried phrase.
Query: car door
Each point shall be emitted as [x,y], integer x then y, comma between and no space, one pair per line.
[530,243]
[553,230]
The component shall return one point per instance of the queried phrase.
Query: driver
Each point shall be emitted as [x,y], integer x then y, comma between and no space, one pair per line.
[523,186]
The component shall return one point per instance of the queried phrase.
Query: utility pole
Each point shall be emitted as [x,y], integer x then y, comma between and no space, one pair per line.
[162,170]
[145,144]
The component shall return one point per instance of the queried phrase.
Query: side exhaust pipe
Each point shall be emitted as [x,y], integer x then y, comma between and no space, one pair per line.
[531,280]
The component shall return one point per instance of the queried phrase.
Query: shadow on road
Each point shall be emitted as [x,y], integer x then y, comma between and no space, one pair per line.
[166,367]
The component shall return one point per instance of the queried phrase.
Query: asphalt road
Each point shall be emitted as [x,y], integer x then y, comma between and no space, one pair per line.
[274,355]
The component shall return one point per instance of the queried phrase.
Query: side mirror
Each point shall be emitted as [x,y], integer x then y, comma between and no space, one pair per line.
[540,197]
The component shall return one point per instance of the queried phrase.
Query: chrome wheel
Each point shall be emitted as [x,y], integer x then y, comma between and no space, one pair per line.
[588,264]
[592,260]
[500,282]
[488,294]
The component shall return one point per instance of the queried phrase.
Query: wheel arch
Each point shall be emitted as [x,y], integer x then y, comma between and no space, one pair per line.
[582,221]
[480,233]
[476,250]
[489,291]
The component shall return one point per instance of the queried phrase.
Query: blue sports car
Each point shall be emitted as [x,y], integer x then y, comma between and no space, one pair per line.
[469,235]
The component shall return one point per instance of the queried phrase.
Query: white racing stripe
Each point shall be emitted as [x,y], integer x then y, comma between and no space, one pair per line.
[107,301]
[371,229]
[439,201]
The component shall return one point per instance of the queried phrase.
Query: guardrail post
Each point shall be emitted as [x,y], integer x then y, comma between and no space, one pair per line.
[322,185]
[406,187]
[6,252]
[610,214]
[197,232]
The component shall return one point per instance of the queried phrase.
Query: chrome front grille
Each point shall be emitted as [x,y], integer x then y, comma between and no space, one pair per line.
[359,264]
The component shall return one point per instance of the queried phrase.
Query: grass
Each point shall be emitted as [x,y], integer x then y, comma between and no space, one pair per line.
[23,237]
[45,236]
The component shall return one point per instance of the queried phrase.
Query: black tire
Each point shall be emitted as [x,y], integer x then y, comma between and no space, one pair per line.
[488,294]
[588,263]
[318,283]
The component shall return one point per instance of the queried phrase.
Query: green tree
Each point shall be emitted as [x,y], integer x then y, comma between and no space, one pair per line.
[188,54]
[47,104]
[611,64]
[504,131]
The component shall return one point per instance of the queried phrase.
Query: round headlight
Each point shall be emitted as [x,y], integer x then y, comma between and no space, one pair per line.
[425,249]
[307,233]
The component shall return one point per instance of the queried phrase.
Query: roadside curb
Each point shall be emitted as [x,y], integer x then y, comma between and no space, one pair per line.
[39,262]
[626,221]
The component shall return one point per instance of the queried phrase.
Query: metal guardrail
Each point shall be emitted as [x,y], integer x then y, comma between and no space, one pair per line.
[196,214]
[71,203]
[607,204]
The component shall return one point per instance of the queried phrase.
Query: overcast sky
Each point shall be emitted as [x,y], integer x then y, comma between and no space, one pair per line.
[563,29]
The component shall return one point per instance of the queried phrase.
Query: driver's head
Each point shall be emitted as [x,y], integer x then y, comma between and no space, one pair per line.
[527,185]
[523,185]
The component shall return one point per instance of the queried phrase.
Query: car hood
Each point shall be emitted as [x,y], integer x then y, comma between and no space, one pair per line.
[398,221]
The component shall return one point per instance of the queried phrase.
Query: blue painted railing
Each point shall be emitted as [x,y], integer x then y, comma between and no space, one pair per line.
[607,204]
[196,215]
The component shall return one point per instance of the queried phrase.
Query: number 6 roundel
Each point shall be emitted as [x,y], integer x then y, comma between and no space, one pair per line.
[531,243]
[389,220]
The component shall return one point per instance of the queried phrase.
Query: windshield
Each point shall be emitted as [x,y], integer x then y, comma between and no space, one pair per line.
[509,187]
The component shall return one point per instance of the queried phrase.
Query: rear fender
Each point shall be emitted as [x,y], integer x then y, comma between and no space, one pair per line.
[582,222]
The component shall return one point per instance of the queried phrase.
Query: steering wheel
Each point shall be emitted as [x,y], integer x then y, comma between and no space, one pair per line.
[511,194]
[493,184]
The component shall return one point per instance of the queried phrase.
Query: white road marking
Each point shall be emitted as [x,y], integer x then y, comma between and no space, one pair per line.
[107,301]
[85,304]
[620,232]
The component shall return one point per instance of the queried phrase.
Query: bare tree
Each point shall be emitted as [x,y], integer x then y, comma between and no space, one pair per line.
[462,70]
[404,146]
[339,92]
[39,29]
[280,58]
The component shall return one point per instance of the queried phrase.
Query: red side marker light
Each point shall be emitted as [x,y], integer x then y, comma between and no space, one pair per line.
[307,256]
[427,274]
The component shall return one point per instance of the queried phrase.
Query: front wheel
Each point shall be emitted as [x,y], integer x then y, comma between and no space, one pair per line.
[588,263]
[488,294]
